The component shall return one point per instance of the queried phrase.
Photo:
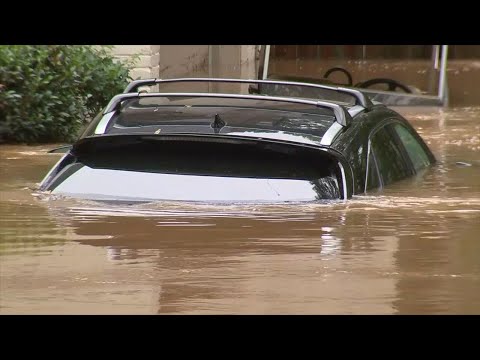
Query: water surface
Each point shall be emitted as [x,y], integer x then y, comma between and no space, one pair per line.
[413,248]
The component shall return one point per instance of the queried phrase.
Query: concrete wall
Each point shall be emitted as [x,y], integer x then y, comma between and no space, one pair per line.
[143,66]
[168,61]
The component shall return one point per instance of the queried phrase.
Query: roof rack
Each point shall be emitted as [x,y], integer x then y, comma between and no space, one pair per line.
[342,116]
[360,98]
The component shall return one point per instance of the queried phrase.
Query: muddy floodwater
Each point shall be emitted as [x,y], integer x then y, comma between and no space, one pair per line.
[413,248]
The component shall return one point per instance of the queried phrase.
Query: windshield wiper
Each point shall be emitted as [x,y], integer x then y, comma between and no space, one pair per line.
[218,124]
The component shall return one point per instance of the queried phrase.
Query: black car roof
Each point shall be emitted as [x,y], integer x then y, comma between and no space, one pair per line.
[238,113]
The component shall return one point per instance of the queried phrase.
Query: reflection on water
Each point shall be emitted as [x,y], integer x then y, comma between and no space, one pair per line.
[412,248]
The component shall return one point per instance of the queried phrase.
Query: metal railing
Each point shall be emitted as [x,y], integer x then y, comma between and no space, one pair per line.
[341,114]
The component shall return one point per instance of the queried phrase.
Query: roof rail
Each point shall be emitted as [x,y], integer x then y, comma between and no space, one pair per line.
[342,116]
[360,98]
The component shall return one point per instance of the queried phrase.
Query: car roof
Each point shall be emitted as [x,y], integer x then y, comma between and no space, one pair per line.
[153,111]
[240,117]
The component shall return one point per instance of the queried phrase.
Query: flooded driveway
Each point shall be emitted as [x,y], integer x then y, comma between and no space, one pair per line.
[413,248]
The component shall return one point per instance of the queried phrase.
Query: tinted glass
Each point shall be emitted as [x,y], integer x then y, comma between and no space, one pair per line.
[415,151]
[373,180]
[390,162]
[107,184]
[145,167]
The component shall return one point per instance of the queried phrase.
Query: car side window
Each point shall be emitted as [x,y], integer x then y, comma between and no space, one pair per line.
[392,166]
[415,151]
[373,180]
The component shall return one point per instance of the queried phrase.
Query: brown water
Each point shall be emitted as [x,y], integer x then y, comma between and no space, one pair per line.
[413,248]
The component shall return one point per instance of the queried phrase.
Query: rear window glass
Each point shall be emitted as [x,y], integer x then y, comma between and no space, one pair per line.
[107,184]
[145,167]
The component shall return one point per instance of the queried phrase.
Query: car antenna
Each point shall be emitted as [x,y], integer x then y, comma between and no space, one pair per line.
[218,123]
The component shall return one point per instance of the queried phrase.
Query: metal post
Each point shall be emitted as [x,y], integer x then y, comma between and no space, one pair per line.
[436,53]
[432,73]
[443,73]
[266,61]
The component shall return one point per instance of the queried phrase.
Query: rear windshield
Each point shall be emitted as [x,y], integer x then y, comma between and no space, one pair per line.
[148,168]
[108,184]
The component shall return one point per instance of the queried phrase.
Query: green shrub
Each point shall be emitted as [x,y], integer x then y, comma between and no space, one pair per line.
[47,93]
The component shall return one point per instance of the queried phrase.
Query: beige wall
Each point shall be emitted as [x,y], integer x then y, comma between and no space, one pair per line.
[168,61]
[143,66]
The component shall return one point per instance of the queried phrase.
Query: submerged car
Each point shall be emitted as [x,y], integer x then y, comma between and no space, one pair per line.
[283,141]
